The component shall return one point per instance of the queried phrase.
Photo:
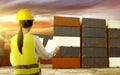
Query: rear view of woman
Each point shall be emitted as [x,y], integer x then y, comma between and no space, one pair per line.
[26,49]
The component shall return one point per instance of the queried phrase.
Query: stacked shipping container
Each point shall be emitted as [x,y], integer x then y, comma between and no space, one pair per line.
[2,35]
[114,47]
[67,32]
[94,43]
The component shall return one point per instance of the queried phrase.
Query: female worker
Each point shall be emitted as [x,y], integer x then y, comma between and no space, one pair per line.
[27,48]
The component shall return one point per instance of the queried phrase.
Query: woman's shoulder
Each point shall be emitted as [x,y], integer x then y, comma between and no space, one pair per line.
[38,38]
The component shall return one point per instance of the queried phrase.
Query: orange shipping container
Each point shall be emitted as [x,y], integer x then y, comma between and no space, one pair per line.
[6,60]
[46,61]
[66,21]
[70,62]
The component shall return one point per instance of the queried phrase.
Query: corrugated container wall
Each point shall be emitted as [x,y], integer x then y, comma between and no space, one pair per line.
[94,43]
[67,32]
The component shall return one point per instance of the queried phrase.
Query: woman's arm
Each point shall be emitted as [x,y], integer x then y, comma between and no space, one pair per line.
[42,52]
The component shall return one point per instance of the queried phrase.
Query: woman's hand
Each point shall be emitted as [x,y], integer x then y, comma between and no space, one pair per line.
[57,49]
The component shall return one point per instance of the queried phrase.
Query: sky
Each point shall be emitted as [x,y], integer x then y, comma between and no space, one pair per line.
[44,10]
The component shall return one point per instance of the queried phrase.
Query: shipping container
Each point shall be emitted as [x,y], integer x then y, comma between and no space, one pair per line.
[1,51]
[94,52]
[44,36]
[114,52]
[66,62]
[66,21]
[1,43]
[94,42]
[1,60]
[94,32]
[114,33]
[68,52]
[114,42]
[66,31]
[114,62]
[49,61]
[6,58]
[67,41]
[90,22]
[94,62]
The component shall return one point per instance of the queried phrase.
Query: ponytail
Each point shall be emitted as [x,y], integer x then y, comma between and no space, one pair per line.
[24,24]
[20,39]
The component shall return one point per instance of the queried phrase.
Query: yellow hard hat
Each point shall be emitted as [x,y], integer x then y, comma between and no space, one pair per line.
[24,14]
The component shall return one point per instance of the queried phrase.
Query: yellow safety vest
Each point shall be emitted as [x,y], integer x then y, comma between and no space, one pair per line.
[26,63]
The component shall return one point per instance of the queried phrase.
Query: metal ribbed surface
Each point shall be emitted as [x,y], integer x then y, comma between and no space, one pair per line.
[90,22]
[69,52]
[94,42]
[94,52]
[66,31]
[94,32]
[94,62]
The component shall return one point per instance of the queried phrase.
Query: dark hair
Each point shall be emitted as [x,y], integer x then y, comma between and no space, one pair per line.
[23,24]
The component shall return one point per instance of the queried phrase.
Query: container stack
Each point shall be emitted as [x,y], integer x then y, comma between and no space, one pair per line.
[6,56]
[67,34]
[94,43]
[114,47]
[1,47]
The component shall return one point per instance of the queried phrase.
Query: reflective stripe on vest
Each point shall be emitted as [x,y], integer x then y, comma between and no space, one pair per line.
[26,66]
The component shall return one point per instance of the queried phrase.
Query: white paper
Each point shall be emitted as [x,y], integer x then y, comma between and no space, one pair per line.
[51,45]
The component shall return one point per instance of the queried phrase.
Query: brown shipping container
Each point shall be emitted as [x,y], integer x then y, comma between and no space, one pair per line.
[114,52]
[114,33]
[94,42]
[114,42]
[1,43]
[94,62]
[91,22]
[94,32]
[1,61]
[94,52]
[66,21]
[68,52]
[66,62]
[46,61]
[66,31]
[6,56]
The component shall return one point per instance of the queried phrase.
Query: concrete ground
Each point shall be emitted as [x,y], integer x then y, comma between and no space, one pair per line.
[47,70]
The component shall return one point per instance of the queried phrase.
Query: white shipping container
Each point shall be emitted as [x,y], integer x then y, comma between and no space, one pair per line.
[114,62]
[62,41]
[113,24]
[68,41]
